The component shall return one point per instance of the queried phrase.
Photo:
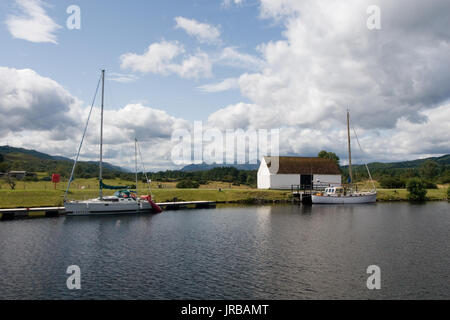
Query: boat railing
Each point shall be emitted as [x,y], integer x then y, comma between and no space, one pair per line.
[309,188]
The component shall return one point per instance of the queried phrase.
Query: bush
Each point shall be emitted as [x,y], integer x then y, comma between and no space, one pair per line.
[30,178]
[391,183]
[445,179]
[417,190]
[46,179]
[188,184]
[448,193]
[430,185]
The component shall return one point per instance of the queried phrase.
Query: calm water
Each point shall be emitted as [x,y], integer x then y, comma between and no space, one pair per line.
[266,252]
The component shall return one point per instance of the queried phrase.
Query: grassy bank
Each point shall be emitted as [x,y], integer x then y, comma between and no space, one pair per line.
[37,198]
[36,194]
[402,194]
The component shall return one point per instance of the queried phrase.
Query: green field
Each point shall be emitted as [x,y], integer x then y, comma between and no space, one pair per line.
[36,194]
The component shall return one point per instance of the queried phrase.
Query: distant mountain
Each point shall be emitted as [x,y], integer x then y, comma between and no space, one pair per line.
[411,164]
[33,160]
[9,150]
[204,167]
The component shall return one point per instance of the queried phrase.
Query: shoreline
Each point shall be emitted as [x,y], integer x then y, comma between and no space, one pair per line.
[49,198]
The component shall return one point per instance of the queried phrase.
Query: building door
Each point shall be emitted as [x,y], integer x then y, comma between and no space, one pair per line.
[306,181]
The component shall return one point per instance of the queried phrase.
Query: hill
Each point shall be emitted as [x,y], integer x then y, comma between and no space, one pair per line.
[24,153]
[411,164]
[401,171]
[35,161]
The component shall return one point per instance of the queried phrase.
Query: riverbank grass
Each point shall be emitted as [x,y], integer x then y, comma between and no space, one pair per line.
[43,194]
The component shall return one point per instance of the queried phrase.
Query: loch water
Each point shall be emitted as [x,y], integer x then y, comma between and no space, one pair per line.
[233,252]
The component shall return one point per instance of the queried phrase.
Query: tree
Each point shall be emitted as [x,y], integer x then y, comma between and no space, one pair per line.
[391,183]
[11,182]
[4,167]
[448,193]
[2,158]
[429,170]
[416,189]
[188,184]
[329,155]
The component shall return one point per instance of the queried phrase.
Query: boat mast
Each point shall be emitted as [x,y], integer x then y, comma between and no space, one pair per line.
[101,137]
[135,164]
[349,148]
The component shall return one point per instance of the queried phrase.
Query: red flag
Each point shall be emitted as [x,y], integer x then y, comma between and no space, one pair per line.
[56,178]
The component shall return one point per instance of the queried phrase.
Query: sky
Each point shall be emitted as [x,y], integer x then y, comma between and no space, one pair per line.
[292,65]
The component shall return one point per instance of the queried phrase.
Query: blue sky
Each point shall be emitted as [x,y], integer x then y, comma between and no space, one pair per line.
[290,65]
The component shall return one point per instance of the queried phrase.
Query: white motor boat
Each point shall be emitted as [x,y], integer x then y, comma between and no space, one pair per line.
[340,195]
[337,195]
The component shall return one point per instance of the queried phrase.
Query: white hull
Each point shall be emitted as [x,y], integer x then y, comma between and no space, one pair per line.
[369,197]
[97,207]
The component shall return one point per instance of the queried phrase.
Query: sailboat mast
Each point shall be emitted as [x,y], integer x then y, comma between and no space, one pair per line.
[349,148]
[135,164]
[101,137]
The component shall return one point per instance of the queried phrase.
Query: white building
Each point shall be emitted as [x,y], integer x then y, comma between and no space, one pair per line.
[283,172]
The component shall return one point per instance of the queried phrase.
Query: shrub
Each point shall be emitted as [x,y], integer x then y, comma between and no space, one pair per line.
[188,184]
[416,189]
[430,185]
[391,183]
[46,179]
[448,193]
[30,178]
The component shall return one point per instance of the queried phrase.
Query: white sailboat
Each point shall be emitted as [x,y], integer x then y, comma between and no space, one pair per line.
[123,201]
[340,195]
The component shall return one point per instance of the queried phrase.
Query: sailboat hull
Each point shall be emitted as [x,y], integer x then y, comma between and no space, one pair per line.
[87,208]
[369,197]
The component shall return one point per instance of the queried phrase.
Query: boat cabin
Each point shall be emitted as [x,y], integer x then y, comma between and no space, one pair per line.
[121,196]
[332,191]
[125,194]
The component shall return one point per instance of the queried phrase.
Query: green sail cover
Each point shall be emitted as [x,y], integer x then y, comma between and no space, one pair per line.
[105,186]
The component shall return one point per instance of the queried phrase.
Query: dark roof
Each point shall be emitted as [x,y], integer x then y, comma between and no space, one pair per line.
[303,165]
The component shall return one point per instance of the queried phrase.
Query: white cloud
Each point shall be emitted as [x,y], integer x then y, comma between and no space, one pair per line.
[33,24]
[29,101]
[194,66]
[330,61]
[38,113]
[159,59]
[122,78]
[227,3]
[226,84]
[203,32]
[391,79]
[230,56]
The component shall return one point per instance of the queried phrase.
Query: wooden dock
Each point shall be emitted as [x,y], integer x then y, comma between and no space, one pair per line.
[27,213]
